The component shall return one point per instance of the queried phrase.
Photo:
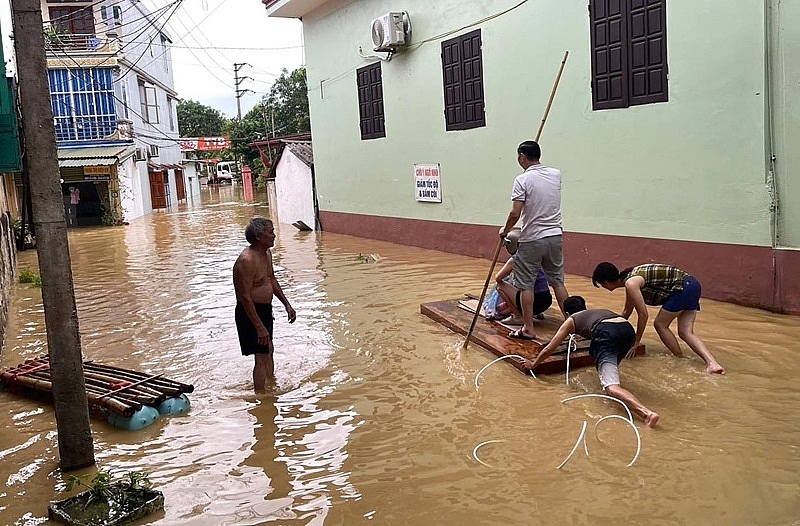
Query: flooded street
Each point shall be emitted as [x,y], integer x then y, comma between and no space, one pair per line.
[376,415]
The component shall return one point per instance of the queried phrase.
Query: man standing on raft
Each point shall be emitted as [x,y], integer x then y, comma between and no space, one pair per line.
[255,283]
[536,199]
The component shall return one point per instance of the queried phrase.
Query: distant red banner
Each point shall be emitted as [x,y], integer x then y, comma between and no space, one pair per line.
[205,144]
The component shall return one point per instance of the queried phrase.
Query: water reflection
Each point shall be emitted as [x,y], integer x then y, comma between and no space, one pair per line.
[375,415]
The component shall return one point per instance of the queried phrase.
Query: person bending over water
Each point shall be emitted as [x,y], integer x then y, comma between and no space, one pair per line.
[612,338]
[678,294]
[254,283]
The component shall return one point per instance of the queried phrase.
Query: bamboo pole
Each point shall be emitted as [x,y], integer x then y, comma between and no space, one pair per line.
[500,243]
[129,386]
[96,392]
[109,381]
[134,397]
[151,384]
[552,96]
[185,388]
[37,384]
[483,293]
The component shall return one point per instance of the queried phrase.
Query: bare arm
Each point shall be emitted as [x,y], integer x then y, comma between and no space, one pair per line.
[278,291]
[635,301]
[243,275]
[566,328]
[505,271]
[513,217]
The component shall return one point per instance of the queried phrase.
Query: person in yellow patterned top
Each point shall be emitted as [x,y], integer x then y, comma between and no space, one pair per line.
[676,291]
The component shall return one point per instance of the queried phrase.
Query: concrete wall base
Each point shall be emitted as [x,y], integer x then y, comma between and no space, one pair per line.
[748,275]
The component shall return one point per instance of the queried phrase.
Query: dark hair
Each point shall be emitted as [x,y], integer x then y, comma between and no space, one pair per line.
[257,227]
[606,272]
[574,304]
[530,149]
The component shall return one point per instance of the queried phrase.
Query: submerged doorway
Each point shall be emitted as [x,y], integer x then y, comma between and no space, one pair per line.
[92,202]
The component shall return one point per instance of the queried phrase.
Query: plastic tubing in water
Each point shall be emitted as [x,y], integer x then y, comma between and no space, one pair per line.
[475,451]
[575,448]
[569,349]
[592,395]
[497,360]
[638,436]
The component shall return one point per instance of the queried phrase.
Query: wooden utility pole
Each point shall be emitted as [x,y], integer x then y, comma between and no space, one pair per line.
[75,446]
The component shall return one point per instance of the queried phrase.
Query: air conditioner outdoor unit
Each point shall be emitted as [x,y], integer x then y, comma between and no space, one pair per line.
[390,31]
[153,150]
[140,155]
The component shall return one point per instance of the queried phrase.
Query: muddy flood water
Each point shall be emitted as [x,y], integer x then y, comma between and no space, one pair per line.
[376,415]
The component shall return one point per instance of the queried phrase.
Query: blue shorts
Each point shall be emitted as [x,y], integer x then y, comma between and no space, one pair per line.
[686,299]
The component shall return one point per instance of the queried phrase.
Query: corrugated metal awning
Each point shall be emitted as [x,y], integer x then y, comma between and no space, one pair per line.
[94,155]
[88,161]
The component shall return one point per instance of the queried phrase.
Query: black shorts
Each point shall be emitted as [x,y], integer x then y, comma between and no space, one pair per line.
[541,301]
[248,337]
[611,341]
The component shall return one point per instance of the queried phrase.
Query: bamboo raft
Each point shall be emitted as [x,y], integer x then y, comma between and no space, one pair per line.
[111,389]
[457,316]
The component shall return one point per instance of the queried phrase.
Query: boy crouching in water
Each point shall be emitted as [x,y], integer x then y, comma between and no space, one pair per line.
[612,338]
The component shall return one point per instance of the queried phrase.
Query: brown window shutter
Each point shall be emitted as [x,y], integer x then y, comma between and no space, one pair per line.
[473,80]
[609,36]
[648,52]
[370,101]
[462,75]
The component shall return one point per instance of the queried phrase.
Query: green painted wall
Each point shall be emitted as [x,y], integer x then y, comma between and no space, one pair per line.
[784,19]
[692,168]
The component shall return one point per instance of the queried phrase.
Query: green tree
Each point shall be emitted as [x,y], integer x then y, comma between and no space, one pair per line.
[198,120]
[288,102]
[282,111]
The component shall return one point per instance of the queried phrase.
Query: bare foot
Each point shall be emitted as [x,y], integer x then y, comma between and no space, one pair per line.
[652,419]
[715,368]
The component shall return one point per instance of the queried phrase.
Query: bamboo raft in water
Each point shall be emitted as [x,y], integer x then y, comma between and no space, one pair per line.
[113,389]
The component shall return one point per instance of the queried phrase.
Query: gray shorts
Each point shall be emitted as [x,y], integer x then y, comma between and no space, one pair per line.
[546,253]
[609,374]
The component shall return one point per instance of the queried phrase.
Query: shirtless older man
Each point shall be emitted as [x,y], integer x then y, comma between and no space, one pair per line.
[255,283]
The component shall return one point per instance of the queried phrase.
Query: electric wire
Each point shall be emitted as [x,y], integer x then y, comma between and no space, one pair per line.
[440,36]
[130,109]
[575,447]
[475,451]
[638,435]
[477,376]
[592,395]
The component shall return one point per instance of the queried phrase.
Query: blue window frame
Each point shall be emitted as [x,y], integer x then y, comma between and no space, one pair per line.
[83,103]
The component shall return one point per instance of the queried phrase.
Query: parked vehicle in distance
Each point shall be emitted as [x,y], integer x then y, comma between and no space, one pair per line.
[224,171]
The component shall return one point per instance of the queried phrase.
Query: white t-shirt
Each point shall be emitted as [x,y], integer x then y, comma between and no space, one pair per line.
[540,188]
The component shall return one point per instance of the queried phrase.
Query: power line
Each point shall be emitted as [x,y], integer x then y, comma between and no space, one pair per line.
[194,27]
[433,39]
[114,95]
[144,29]
[237,66]
[159,31]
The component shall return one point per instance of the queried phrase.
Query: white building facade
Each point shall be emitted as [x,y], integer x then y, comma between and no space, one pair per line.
[114,105]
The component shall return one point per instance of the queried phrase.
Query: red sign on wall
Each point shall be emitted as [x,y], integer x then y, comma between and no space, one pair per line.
[205,144]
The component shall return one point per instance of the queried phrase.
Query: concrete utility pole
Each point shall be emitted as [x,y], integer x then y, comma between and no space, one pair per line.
[75,445]
[237,81]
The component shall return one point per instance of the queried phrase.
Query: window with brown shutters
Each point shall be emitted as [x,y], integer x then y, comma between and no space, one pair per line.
[462,73]
[629,52]
[370,101]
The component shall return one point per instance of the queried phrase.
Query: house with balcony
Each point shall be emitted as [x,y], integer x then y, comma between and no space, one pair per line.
[114,105]
[674,127]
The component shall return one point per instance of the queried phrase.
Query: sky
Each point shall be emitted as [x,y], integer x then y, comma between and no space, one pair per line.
[208,37]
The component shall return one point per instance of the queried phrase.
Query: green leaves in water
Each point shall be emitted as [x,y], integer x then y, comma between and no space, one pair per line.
[26,275]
